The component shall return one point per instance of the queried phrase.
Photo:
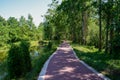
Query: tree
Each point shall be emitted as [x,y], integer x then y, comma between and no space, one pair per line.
[100,27]
[30,22]
[22,21]
[49,26]
[12,22]
[3,22]
[4,37]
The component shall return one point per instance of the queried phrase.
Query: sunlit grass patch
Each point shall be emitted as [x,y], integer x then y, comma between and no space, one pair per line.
[85,48]
[102,62]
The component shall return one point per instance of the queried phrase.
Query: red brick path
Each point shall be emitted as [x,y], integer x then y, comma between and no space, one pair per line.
[65,66]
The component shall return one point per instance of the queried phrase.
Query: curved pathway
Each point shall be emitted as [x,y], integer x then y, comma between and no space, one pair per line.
[64,65]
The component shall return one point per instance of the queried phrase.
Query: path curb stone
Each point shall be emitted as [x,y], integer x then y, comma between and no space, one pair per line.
[43,71]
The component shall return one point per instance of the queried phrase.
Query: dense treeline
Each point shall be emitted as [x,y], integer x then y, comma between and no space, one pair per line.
[87,22]
[13,30]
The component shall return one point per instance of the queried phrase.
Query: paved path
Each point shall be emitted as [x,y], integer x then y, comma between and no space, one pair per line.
[64,65]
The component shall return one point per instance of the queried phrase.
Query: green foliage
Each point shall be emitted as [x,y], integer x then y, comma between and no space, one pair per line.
[74,20]
[26,55]
[38,64]
[116,46]
[89,22]
[93,35]
[47,31]
[40,60]
[49,46]
[13,30]
[15,64]
[12,22]
[19,62]
[4,36]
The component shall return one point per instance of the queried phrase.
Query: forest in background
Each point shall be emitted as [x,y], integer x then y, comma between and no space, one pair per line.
[13,30]
[94,23]
[86,22]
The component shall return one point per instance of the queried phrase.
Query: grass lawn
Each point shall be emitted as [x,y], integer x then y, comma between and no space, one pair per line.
[103,63]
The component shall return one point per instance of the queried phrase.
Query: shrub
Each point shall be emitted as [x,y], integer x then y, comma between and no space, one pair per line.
[26,55]
[14,62]
[49,46]
[116,47]
[19,62]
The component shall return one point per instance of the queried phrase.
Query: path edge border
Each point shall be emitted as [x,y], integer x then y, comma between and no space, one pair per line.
[89,67]
[44,68]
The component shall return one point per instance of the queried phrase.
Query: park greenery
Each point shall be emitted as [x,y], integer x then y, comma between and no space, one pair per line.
[91,26]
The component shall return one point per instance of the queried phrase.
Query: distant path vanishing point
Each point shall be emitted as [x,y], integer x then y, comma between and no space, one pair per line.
[64,65]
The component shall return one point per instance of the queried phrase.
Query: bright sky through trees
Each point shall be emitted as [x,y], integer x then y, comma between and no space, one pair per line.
[17,8]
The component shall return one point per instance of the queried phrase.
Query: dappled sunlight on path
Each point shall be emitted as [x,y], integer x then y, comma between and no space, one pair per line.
[65,66]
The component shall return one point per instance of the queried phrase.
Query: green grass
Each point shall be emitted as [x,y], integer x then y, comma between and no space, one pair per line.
[103,63]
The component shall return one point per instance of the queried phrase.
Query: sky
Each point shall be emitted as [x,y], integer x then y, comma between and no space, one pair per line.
[18,8]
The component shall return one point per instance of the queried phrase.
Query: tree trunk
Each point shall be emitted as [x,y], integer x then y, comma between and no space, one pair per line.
[111,43]
[85,17]
[111,28]
[107,25]
[100,26]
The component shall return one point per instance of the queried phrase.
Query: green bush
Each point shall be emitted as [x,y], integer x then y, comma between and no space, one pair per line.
[116,47]
[19,62]
[14,62]
[26,55]
[49,46]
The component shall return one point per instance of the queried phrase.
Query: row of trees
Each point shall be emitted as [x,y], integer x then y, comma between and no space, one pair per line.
[71,20]
[109,13]
[13,30]
[87,22]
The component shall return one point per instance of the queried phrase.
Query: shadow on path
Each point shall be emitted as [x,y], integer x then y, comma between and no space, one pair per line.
[65,66]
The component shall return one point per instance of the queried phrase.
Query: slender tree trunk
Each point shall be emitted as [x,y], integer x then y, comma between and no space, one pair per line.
[111,29]
[107,25]
[100,26]
[85,18]
[82,27]
[111,37]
